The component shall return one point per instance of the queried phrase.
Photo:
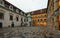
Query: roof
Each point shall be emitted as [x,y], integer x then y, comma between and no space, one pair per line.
[14,7]
[39,11]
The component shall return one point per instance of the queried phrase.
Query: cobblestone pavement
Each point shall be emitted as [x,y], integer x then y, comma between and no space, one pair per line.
[26,32]
[9,33]
[20,32]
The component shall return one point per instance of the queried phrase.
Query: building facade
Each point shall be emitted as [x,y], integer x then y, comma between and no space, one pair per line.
[53,18]
[53,14]
[39,17]
[10,15]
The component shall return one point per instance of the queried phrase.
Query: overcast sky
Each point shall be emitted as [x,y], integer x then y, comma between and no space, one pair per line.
[29,5]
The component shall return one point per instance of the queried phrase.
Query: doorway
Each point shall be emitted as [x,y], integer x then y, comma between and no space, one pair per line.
[12,24]
[0,25]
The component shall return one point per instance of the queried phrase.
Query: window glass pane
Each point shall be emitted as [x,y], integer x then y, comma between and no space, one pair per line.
[17,19]
[1,2]
[17,10]
[11,17]
[11,7]
[1,16]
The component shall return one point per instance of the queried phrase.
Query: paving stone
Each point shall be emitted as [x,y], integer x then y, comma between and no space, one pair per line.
[21,32]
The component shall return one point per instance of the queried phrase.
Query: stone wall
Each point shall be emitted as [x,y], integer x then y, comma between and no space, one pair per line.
[7,22]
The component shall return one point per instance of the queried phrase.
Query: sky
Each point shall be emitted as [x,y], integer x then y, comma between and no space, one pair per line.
[29,5]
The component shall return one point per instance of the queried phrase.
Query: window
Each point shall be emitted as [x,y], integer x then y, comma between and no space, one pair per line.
[55,6]
[21,13]
[1,3]
[25,20]
[45,15]
[17,10]
[44,19]
[17,19]
[1,16]
[38,17]
[11,17]
[57,11]
[58,19]
[38,20]
[11,7]
[41,19]
[21,19]
[59,26]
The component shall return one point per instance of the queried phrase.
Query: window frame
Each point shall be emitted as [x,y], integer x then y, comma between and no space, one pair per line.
[11,17]
[11,7]
[1,3]
[1,16]
[17,10]
[17,18]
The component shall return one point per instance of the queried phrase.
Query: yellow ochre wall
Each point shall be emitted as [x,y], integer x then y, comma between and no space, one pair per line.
[59,2]
[39,19]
